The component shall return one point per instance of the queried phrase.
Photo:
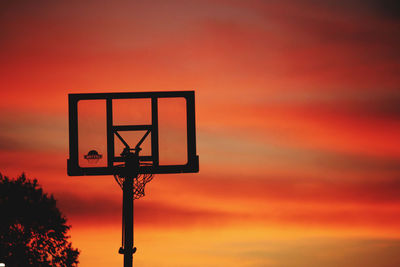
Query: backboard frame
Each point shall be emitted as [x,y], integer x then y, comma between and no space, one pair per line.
[192,165]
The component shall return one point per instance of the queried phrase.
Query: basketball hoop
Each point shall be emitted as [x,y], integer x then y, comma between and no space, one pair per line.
[93,156]
[131,171]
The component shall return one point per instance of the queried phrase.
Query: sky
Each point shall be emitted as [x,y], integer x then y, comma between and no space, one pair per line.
[297,116]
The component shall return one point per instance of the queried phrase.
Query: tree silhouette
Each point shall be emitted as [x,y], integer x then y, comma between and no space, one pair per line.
[33,232]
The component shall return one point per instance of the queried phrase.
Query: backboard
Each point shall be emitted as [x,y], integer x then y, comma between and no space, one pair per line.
[160,125]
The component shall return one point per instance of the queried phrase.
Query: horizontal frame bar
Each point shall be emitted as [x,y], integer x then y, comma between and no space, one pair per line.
[131,127]
[128,95]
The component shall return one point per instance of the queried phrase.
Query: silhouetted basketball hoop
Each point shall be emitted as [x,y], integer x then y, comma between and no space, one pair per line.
[134,167]
[93,156]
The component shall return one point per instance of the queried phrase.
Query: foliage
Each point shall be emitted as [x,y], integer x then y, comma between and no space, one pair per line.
[33,232]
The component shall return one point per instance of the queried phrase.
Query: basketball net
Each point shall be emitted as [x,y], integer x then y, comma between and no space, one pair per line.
[139,183]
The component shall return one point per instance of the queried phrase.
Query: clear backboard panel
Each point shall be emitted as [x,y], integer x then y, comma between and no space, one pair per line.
[161,124]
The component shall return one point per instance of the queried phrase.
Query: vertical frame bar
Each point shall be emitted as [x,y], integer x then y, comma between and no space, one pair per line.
[154,131]
[110,134]
[73,132]
[191,126]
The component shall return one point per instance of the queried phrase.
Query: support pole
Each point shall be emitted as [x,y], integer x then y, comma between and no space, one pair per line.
[127,211]
[129,173]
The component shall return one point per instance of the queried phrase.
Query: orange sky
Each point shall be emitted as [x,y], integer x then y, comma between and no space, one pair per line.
[297,106]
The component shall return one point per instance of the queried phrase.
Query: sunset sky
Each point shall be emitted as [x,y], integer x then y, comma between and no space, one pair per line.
[297,115]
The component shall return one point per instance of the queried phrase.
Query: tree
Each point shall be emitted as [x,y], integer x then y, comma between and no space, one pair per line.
[33,232]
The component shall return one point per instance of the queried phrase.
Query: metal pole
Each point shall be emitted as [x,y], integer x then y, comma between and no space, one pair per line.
[127,206]
[129,173]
